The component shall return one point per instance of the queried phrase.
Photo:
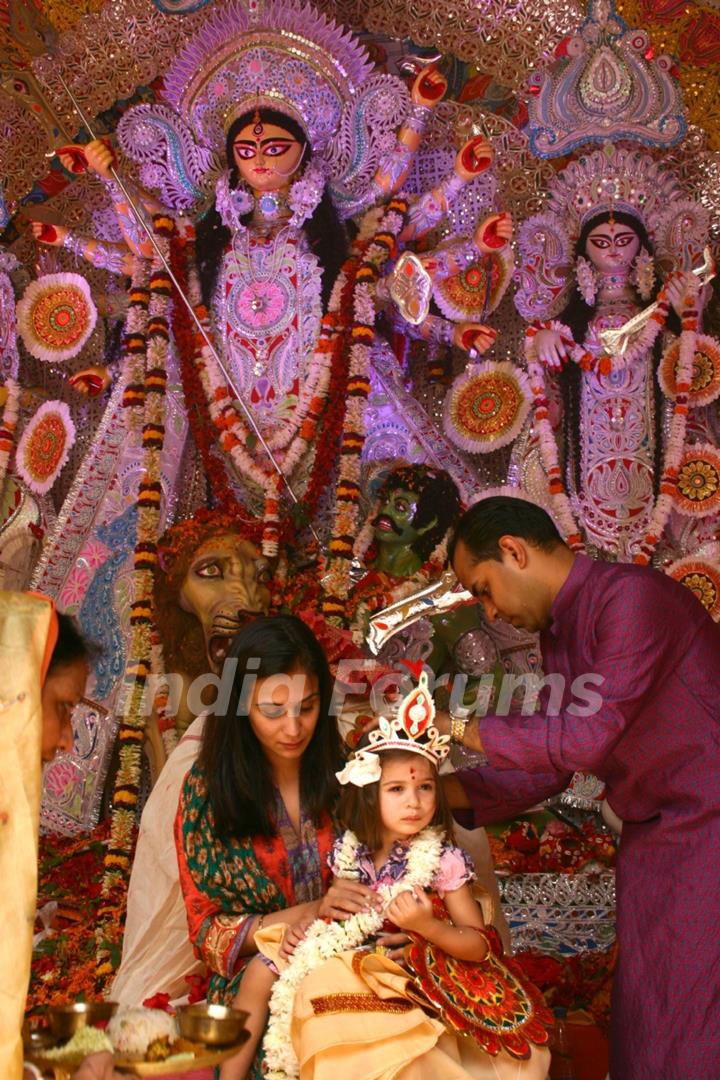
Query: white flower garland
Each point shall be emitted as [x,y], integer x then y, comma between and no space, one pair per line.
[324,940]
[672,457]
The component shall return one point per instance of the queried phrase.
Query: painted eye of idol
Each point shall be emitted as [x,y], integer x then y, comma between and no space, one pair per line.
[604,240]
[263,572]
[211,569]
[248,149]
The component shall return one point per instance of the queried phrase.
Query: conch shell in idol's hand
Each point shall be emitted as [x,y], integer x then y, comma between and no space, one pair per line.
[615,342]
[441,595]
[411,288]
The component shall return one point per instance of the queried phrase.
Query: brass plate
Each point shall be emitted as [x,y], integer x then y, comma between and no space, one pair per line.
[205,1058]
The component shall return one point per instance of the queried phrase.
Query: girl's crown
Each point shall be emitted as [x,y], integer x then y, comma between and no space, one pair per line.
[411,729]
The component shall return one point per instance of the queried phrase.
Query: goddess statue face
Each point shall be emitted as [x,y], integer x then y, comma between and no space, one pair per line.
[266,155]
[226,585]
[612,247]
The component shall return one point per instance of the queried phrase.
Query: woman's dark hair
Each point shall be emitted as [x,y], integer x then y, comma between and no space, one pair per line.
[325,231]
[70,646]
[481,527]
[359,808]
[237,773]
[577,316]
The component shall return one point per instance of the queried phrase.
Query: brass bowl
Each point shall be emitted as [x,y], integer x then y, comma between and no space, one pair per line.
[65,1020]
[36,1039]
[213,1025]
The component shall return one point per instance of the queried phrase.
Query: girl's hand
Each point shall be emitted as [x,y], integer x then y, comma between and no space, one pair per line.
[411,910]
[52,235]
[429,88]
[550,348]
[393,946]
[294,935]
[345,898]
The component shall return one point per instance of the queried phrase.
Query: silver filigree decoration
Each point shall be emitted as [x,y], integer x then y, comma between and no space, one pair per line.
[560,913]
[366,133]
[605,89]
[170,160]
[545,269]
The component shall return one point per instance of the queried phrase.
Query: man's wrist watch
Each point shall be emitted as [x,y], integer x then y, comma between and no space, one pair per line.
[459,718]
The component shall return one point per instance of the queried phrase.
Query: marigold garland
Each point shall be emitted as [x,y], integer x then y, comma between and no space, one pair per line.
[140,650]
[8,423]
[135,342]
[347,491]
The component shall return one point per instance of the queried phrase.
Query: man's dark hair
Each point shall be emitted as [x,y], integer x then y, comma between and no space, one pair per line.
[481,527]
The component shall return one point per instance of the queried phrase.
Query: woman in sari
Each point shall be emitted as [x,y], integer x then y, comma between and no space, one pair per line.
[255,822]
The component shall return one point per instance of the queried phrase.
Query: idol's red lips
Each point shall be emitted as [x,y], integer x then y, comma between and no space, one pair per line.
[384,524]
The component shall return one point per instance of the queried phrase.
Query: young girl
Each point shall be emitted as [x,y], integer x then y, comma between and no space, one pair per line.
[340,1007]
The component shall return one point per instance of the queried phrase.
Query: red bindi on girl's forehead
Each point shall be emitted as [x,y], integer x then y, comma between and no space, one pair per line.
[412,773]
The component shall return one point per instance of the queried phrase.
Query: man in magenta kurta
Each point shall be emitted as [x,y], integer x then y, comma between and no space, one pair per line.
[653,737]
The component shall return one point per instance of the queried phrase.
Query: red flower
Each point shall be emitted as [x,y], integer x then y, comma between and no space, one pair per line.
[198,987]
[159,1001]
[543,970]
[663,11]
[700,41]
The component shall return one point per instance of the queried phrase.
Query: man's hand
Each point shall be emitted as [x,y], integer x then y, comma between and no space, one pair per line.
[99,1067]
[411,910]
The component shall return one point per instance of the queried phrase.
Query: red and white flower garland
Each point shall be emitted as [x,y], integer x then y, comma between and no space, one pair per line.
[380,248]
